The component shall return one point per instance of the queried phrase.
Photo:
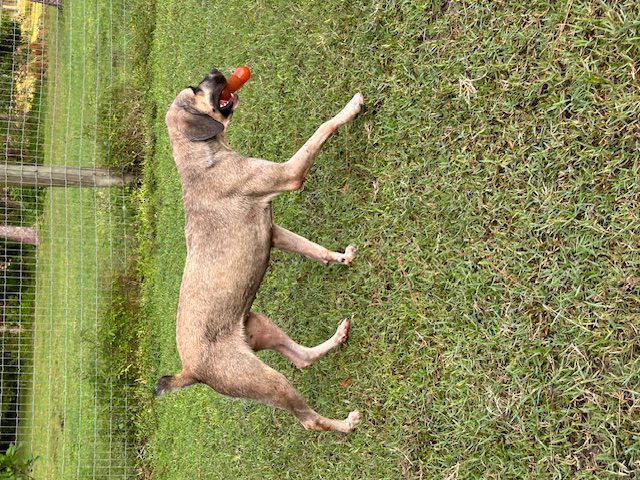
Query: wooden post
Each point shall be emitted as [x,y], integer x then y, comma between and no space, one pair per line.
[19,234]
[12,329]
[53,176]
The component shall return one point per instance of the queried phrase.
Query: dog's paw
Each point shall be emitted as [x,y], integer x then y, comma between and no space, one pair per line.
[348,256]
[353,419]
[357,102]
[342,333]
[352,109]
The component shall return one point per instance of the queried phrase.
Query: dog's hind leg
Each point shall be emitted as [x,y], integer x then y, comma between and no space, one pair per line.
[283,239]
[237,372]
[261,333]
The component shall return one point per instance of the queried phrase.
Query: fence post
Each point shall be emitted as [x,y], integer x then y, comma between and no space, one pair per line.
[54,176]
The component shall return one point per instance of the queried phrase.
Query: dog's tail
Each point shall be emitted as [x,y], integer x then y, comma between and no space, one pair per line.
[171,383]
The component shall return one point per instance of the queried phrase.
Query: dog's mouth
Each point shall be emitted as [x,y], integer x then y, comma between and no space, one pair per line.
[227,105]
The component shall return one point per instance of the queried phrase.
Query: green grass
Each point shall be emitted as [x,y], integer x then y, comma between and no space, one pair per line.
[78,415]
[491,187]
[492,190]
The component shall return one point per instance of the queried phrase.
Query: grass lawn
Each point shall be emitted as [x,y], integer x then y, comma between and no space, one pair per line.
[492,190]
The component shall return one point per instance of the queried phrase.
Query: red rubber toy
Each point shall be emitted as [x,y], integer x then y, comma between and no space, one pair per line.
[235,82]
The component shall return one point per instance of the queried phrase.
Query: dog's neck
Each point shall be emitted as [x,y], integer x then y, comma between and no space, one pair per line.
[222,141]
[216,148]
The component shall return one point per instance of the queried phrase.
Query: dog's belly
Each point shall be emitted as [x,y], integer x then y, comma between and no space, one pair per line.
[225,264]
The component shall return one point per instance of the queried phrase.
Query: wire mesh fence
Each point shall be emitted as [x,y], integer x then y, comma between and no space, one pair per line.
[64,240]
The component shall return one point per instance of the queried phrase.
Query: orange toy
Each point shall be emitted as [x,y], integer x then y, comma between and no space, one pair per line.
[235,82]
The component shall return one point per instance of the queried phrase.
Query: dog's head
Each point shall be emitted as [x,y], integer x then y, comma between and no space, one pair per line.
[200,113]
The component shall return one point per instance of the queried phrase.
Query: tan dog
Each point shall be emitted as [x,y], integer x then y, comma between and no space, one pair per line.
[229,233]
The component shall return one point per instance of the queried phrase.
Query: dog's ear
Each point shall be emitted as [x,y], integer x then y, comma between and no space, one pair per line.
[199,127]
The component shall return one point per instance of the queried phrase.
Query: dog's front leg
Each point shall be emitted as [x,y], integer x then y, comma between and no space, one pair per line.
[299,165]
[268,179]
[283,239]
